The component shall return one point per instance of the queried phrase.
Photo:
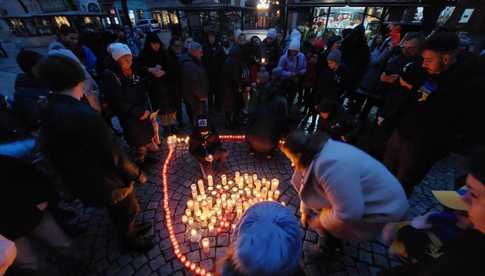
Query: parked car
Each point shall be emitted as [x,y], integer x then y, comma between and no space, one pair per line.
[148,25]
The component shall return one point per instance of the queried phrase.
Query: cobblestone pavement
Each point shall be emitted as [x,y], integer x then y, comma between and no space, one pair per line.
[99,243]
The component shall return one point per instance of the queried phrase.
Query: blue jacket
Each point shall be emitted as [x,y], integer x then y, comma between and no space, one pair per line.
[292,66]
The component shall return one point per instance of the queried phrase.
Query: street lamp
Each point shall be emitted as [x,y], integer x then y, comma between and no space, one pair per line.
[262,5]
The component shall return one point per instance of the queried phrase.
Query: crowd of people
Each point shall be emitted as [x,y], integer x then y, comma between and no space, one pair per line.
[374,117]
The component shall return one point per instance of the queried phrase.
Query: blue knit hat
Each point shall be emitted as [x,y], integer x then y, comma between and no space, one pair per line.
[267,241]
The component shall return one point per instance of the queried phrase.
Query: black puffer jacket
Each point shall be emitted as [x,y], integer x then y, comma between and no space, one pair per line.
[85,152]
[128,98]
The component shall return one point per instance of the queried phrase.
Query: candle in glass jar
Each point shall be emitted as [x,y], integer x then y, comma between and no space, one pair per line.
[264,193]
[223,179]
[277,194]
[210,181]
[255,177]
[188,212]
[270,195]
[194,235]
[257,184]
[237,174]
[190,204]
[194,191]
[200,183]
[274,184]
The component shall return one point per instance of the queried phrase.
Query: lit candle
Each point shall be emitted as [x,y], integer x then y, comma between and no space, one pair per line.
[226,187]
[255,177]
[184,219]
[230,183]
[210,181]
[194,191]
[237,174]
[210,227]
[218,187]
[209,202]
[196,206]
[190,204]
[200,183]
[257,183]
[223,179]
[213,193]
[270,195]
[274,184]
[194,235]
[240,184]
[213,220]
[264,193]
[188,213]
[190,221]
[277,194]
[234,190]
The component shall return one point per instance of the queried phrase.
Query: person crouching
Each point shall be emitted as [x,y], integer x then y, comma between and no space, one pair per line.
[206,147]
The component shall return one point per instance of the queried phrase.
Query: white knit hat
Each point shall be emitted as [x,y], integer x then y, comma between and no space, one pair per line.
[294,45]
[295,35]
[117,50]
[267,240]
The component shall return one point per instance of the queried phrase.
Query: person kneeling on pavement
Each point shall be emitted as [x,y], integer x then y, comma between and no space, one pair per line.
[344,192]
[337,123]
[206,147]
[86,153]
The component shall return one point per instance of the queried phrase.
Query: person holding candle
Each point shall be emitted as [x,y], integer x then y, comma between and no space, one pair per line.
[266,241]
[344,192]
[206,146]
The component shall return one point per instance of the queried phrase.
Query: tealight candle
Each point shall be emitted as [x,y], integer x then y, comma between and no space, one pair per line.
[277,194]
[194,235]
[190,204]
[213,193]
[190,221]
[200,183]
[264,193]
[218,187]
[210,180]
[230,183]
[274,184]
[257,183]
[184,219]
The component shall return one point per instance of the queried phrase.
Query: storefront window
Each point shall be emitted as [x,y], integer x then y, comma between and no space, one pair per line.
[165,19]
[445,15]
[43,26]
[372,21]
[61,20]
[343,18]
[173,18]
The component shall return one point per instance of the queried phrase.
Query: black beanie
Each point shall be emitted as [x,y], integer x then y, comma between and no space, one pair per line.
[59,73]
[413,74]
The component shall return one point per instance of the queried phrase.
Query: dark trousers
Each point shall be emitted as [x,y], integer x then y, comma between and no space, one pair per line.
[408,161]
[123,213]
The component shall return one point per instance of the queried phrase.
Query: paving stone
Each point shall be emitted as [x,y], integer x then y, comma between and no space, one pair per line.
[143,271]
[157,262]
[126,271]
[194,256]
[165,270]
[139,261]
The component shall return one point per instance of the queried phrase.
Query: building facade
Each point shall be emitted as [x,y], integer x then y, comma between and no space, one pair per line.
[34,22]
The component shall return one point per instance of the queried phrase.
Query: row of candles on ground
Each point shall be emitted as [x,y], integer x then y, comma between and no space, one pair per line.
[213,207]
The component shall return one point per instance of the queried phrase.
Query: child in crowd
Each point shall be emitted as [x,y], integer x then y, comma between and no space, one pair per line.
[206,147]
